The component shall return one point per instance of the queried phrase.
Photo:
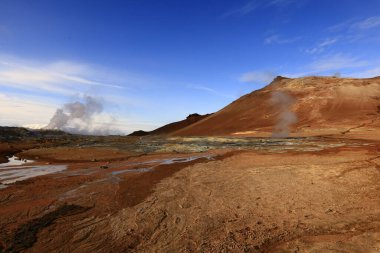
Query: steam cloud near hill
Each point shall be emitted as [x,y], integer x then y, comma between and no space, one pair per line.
[283,103]
[79,118]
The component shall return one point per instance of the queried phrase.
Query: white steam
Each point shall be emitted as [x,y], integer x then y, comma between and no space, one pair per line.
[82,117]
[283,103]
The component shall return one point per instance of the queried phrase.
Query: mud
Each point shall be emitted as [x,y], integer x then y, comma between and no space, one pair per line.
[212,194]
[12,174]
[134,189]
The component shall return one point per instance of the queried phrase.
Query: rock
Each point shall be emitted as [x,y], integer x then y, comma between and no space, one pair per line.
[104,167]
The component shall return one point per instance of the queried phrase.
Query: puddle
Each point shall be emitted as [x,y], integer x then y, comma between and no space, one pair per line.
[157,162]
[14,161]
[185,159]
[140,170]
[16,170]
[20,173]
[171,160]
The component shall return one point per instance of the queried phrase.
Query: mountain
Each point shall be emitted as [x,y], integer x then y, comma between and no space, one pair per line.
[305,106]
[172,127]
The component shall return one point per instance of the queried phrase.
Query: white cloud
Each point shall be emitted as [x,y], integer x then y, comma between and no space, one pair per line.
[368,23]
[337,62]
[320,48]
[261,77]
[56,77]
[280,3]
[251,6]
[22,110]
[277,39]
[368,73]
[328,42]
[129,125]
[342,26]
[354,30]
[286,3]
[242,11]
[211,91]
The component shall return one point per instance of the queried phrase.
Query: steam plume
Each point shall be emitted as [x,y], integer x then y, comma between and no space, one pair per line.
[283,103]
[79,117]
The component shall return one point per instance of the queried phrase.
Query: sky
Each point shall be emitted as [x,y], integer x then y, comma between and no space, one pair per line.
[153,62]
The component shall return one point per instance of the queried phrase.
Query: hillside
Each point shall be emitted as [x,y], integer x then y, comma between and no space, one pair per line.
[321,105]
[173,127]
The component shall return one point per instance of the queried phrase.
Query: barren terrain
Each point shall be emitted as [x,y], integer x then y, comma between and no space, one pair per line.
[211,195]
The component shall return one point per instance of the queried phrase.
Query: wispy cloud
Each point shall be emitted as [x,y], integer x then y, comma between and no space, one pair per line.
[320,48]
[257,77]
[59,77]
[280,3]
[342,25]
[354,30]
[367,73]
[252,6]
[211,91]
[337,62]
[356,25]
[369,23]
[328,42]
[243,10]
[277,39]
[20,110]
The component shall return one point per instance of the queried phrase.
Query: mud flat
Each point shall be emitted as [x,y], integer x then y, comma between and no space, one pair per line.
[198,195]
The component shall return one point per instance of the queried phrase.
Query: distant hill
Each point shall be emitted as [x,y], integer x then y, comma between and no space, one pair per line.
[20,133]
[173,127]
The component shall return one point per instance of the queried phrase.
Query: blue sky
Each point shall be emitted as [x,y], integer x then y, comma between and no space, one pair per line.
[154,62]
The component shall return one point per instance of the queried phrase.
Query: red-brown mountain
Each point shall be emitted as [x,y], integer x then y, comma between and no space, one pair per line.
[322,105]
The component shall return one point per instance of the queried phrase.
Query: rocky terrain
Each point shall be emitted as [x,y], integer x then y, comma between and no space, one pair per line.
[235,190]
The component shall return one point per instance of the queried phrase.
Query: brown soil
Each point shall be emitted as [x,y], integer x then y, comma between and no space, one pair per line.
[135,188]
[255,201]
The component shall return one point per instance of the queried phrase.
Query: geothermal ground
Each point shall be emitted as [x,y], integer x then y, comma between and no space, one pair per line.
[182,194]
